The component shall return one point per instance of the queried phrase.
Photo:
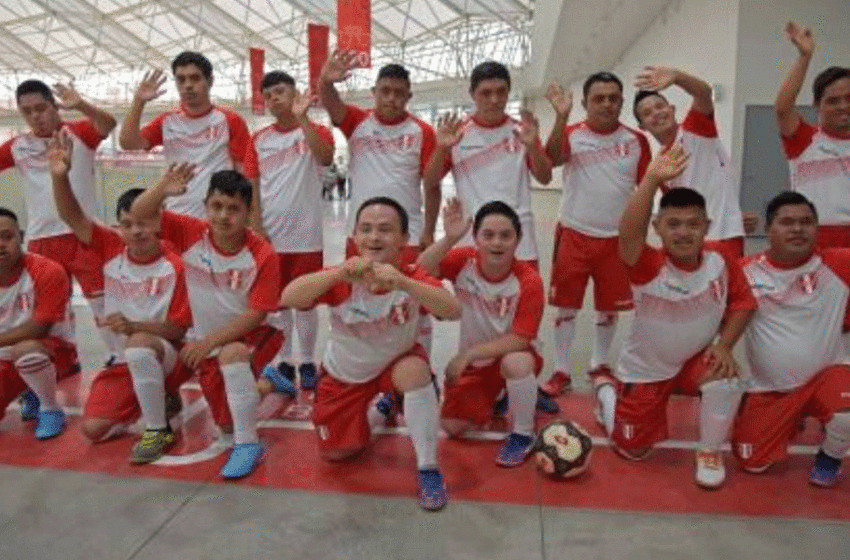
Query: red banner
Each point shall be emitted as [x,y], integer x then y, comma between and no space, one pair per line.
[317,49]
[354,29]
[257,58]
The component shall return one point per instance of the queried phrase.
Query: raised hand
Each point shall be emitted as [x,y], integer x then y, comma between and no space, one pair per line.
[59,150]
[454,222]
[339,65]
[655,78]
[562,101]
[528,129]
[151,86]
[302,103]
[448,130]
[66,96]
[801,37]
[176,178]
[669,164]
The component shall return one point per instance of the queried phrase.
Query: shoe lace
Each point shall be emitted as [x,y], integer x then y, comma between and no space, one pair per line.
[710,459]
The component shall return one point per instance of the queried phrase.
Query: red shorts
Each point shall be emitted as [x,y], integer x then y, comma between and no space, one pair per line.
[640,419]
[578,257]
[833,236]
[732,247]
[293,265]
[264,342]
[472,395]
[63,355]
[767,422]
[339,411]
[78,260]
[112,395]
[409,253]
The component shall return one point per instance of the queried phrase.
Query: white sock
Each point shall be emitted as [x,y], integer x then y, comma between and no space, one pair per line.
[420,415]
[606,324]
[307,325]
[243,400]
[836,441]
[718,407]
[149,383]
[425,332]
[39,373]
[522,396]
[113,342]
[565,333]
[606,395]
[283,321]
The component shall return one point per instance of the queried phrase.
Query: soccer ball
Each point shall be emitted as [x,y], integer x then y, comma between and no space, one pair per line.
[562,449]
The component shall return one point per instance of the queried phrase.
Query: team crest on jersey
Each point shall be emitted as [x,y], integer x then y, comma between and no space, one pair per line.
[512,145]
[152,285]
[407,141]
[623,150]
[301,147]
[504,304]
[234,278]
[400,313]
[25,302]
[716,288]
[809,283]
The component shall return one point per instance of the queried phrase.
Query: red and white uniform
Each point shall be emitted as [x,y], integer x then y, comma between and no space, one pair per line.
[490,163]
[213,141]
[710,174]
[387,159]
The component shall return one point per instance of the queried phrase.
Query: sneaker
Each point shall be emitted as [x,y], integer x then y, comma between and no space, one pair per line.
[515,450]
[546,404]
[278,377]
[243,459]
[558,384]
[386,405]
[600,381]
[152,446]
[710,472]
[30,405]
[432,491]
[826,472]
[307,373]
[50,424]
[500,408]
[286,370]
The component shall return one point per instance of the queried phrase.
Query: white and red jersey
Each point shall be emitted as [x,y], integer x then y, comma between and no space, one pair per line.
[796,330]
[153,290]
[678,312]
[490,163]
[368,330]
[40,291]
[222,286]
[600,172]
[290,186]
[28,153]
[213,141]
[387,159]
[493,307]
[709,173]
[819,165]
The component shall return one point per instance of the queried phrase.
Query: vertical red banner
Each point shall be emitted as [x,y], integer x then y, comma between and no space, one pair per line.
[257,58]
[354,28]
[317,51]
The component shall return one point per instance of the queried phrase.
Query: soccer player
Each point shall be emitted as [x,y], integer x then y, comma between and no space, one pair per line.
[284,163]
[375,303]
[502,302]
[796,352]
[692,304]
[602,162]
[36,329]
[211,137]
[233,280]
[818,155]
[145,305]
[708,170]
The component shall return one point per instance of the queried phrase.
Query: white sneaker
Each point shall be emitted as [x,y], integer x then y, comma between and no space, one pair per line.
[710,472]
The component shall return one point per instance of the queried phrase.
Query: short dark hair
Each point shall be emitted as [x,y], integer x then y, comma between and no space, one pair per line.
[500,208]
[640,96]
[125,201]
[682,197]
[826,79]
[600,77]
[34,86]
[276,77]
[786,198]
[231,183]
[394,71]
[6,213]
[385,201]
[489,70]
[190,57]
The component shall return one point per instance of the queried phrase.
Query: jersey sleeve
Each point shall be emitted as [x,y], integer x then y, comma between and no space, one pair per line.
[420,274]
[801,139]
[239,136]
[105,241]
[6,158]
[178,309]
[429,144]
[353,117]
[181,230]
[741,296]
[700,124]
[85,130]
[152,132]
[529,310]
[647,267]
[337,295]
[52,291]
[265,292]
[645,157]
[325,135]
[250,162]
[454,261]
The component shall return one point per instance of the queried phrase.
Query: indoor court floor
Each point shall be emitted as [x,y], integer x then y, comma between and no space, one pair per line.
[67,499]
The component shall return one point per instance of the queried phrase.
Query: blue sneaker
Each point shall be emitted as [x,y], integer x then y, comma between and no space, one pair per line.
[280,381]
[386,406]
[515,450]
[50,424]
[546,404]
[243,459]
[501,406]
[432,491]
[30,405]
[826,472]
[307,373]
